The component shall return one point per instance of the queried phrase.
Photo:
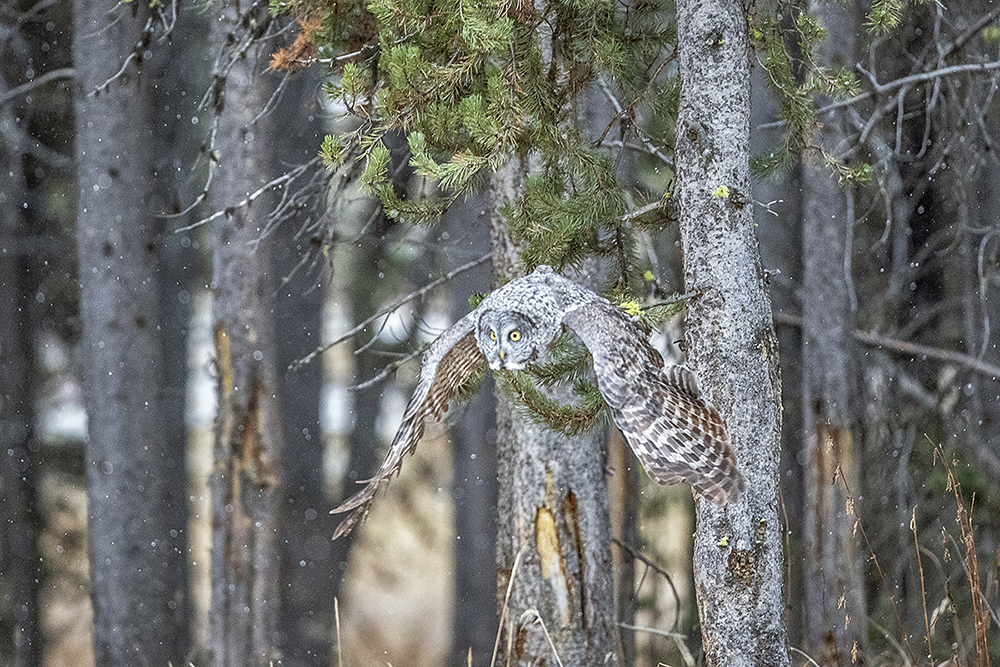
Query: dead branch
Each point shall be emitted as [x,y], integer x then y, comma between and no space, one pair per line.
[416,294]
[911,349]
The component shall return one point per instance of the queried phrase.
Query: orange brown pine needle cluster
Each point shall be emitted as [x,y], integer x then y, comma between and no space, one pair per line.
[302,50]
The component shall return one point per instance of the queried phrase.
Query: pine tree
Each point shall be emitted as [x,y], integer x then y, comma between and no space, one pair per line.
[494,88]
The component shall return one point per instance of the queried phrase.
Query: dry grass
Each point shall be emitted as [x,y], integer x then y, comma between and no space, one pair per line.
[66,612]
[396,604]
[943,624]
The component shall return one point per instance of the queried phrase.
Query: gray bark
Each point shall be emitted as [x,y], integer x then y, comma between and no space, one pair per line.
[832,569]
[135,562]
[473,438]
[553,530]
[623,487]
[306,622]
[181,73]
[730,337]
[20,525]
[248,436]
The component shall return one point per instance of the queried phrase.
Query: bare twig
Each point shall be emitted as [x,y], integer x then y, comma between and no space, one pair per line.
[336,616]
[660,571]
[991,371]
[35,9]
[646,149]
[643,210]
[908,656]
[923,588]
[986,603]
[804,655]
[538,619]
[970,559]
[927,76]
[907,660]
[914,349]
[893,85]
[144,38]
[416,294]
[620,112]
[970,32]
[505,610]
[267,187]
[53,75]
[652,631]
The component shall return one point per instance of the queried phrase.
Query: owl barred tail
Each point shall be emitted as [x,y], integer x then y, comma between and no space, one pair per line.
[720,480]
[679,437]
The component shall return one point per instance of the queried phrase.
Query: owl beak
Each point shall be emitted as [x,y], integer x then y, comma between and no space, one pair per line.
[501,354]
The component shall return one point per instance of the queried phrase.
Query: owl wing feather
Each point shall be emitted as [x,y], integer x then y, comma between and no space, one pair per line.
[675,433]
[451,360]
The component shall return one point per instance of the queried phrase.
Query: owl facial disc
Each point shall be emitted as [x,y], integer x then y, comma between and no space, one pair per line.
[508,339]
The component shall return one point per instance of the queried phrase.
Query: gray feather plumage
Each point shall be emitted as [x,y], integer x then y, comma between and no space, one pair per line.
[675,433]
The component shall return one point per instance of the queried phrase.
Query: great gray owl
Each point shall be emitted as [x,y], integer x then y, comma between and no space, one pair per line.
[675,433]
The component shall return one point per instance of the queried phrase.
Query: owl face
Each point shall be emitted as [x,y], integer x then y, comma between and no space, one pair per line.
[508,339]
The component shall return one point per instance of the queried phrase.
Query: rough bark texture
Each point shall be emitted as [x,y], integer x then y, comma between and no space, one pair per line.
[553,532]
[134,560]
[731,344]
[835,607]
[20,567]
[248,432]
[181,74]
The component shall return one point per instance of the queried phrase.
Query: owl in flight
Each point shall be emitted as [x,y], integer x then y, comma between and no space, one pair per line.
[675,433]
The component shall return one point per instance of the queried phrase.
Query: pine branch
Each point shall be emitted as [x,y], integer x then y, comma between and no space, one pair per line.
[566,419]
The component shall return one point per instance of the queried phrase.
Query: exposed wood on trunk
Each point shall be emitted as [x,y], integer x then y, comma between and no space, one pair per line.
[832,573]
[248,438]
[553,515]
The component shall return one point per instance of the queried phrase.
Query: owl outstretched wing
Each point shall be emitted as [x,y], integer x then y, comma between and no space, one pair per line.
[675,433]
[451,360]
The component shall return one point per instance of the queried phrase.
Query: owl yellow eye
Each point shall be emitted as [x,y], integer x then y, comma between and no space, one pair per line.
[493,335]
[515,336]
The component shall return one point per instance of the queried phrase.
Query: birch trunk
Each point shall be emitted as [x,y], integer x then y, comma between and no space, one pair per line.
[553,530]
[731,344]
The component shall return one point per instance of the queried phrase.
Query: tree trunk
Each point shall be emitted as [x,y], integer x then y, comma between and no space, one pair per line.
[834,600]
[553,532]
[306,622]
[623,488]
[20,525]
[135,582]
[181,73]
[363,441]
[473,438]
[730,337]
[248,438]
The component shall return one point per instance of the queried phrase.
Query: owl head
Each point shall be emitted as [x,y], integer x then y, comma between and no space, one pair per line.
[509,339]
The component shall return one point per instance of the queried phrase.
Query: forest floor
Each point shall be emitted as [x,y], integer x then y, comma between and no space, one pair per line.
[397,599]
